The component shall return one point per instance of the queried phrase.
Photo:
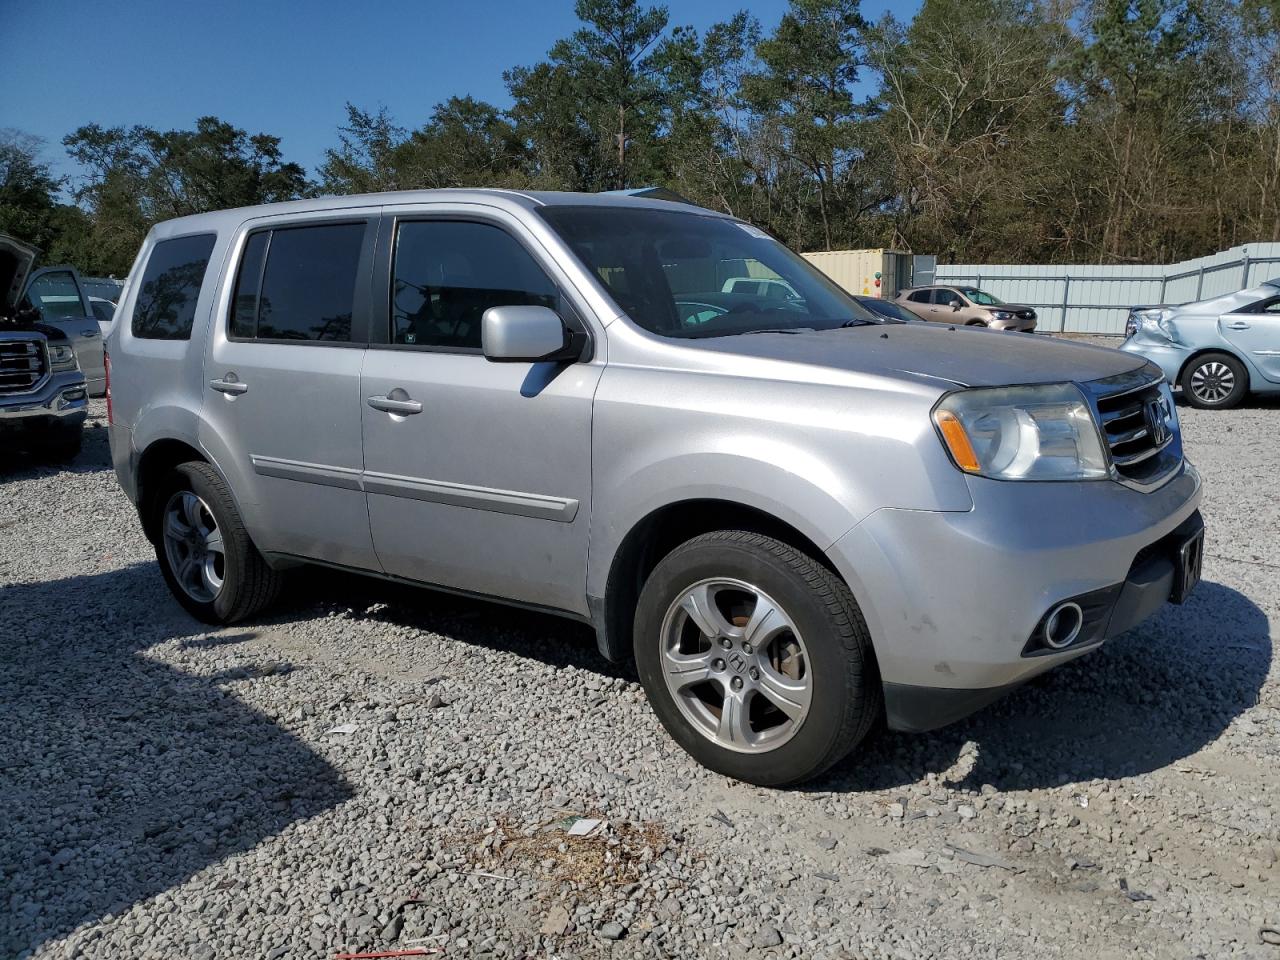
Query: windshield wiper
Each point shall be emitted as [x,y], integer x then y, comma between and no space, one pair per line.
[779,330]
[858,322]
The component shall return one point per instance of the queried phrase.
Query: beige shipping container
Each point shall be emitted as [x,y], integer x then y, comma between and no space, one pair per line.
[865,273]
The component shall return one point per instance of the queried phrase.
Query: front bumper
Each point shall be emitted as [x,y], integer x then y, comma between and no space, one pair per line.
[1014,326]
[951,599]
[63,402]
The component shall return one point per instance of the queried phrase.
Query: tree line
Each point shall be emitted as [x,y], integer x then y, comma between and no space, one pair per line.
[1097,131]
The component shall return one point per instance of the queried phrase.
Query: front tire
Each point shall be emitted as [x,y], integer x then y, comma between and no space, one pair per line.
[756,658]
[1215,381]
[210,564]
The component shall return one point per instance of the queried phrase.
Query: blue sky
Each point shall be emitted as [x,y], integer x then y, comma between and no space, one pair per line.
[280,68]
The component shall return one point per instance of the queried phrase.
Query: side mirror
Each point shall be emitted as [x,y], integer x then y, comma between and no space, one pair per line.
[524,334]
[955,305]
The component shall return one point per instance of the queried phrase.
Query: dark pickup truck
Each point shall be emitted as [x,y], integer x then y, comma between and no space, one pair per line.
[43,392]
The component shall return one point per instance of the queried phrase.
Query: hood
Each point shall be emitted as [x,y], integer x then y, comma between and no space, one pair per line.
[963,356]
[16,260]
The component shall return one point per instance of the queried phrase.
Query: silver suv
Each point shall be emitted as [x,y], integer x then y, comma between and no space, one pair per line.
[794,515]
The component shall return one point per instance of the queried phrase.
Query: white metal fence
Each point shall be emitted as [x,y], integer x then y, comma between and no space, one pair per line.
[1096,299]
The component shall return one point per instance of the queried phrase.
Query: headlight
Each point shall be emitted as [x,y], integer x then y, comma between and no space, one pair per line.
[1159,323]
[62,357]
[1022,433]
[1001,315]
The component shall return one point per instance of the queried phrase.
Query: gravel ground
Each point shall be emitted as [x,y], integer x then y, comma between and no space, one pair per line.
[375,767]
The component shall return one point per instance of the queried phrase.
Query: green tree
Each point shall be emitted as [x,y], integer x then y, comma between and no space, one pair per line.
[804,96]
[28,190]
[972,121]
[591,113]
[138,176]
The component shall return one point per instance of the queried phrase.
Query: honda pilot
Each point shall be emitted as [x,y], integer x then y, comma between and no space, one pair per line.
[796,517]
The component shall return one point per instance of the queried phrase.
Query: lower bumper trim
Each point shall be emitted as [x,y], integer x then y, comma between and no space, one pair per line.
[914,709]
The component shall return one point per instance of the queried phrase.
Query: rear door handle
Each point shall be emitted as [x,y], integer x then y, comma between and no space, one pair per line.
[1238,325]
[402,407]
[230,385]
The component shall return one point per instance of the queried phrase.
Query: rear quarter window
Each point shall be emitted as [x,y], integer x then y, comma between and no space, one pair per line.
[165,307]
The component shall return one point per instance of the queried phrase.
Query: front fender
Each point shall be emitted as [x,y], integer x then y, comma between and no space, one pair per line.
[791,497]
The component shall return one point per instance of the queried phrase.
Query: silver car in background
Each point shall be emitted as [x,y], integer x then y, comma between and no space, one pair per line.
[795,517]
[1219,351]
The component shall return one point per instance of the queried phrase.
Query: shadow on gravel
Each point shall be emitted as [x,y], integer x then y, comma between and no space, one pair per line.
[557,641]
[94,457]
[119,776]
[1147,699]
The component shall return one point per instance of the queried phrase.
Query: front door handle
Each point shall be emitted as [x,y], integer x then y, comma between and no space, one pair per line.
[1238,325]
[91,333]
[230,385]
[402,407]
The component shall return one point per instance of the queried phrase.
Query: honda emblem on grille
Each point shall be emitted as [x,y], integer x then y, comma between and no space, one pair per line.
[1157,425]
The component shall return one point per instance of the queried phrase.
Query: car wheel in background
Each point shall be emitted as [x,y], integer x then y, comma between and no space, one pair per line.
[204,551]
[755,658]
[1215,381]
[976,323]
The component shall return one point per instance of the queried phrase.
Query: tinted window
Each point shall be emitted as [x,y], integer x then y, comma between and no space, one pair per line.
[920,296]
[448,273]
[56,296]
[670,270]
[981,297]
[945,297]
[1262,306]
[244,304]
[308,287]
[166,303]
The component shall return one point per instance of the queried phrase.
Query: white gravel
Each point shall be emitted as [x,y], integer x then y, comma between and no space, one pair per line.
[167,791]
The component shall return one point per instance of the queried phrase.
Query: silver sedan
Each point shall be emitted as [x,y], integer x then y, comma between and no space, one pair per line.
[1218,350]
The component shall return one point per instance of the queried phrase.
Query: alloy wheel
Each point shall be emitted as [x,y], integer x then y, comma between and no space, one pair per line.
[1212,382]
[736,665]
[194,547]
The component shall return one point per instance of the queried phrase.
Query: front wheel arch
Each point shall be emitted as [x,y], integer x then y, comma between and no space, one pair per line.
[660,532]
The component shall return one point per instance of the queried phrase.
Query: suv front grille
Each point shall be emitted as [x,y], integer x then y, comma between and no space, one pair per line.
[1139,427]
[23,365]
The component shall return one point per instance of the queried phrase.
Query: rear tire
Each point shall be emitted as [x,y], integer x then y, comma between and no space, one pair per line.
[210,564]
[756,658]
[1215,381]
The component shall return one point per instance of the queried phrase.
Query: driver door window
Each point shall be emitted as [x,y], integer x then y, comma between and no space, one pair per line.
[448,273]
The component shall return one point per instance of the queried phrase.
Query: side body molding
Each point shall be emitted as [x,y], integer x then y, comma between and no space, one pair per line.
[537,506]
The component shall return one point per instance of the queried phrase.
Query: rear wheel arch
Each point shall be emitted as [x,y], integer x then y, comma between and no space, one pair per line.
[154,465]
[1206,350]
[1224,357]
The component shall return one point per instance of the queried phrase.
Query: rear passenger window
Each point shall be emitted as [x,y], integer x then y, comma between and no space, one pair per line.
[298,283]
[448,273]
[920,296]
[165,307]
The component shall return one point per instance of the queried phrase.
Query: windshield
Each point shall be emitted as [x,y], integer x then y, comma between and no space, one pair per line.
[888,308]
[680,274]
[981,297]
